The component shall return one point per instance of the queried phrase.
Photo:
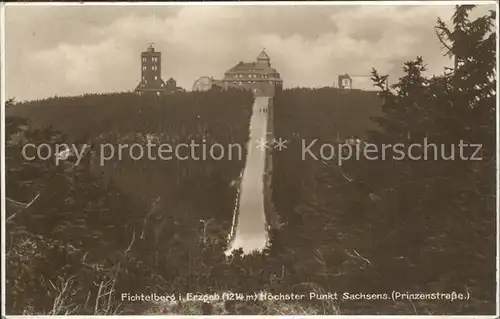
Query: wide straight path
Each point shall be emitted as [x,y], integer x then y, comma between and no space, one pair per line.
[251,233]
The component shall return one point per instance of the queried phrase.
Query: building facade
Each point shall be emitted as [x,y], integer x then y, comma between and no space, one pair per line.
[151,81]
[345,82]
[205,83]
[258,76]
[171,86]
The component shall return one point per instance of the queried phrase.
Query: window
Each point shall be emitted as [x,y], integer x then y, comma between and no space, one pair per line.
[144,68]
[156,77]
[144,77]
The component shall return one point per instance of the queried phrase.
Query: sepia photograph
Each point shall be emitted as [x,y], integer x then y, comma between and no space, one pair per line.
[250,158]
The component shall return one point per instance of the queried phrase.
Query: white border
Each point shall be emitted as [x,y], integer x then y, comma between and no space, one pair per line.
[255,316]
[257,3]
[2,148]
[248,3]
[498,176]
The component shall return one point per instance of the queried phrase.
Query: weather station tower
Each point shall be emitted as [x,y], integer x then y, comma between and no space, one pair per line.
[151,81]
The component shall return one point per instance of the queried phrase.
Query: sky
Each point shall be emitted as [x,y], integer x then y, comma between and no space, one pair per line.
[71,50]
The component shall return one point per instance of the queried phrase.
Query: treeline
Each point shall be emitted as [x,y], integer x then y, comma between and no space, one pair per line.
[345,113]
[91,115]
[404,225]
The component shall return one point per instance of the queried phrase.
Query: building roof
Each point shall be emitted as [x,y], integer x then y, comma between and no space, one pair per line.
[264,70]
[151,47]
[252,67]
[263,56]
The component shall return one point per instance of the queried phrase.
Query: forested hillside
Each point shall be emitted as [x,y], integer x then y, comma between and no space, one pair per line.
[129,231]
[329,112]
[404,225]
[93,232]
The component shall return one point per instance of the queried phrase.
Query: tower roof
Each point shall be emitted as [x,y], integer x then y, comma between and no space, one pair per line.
[252,67]
[263,56]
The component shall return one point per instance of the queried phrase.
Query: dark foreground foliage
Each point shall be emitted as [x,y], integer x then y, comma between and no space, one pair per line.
[366,226]
[412,225]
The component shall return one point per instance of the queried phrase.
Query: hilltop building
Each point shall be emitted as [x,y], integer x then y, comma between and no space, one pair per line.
[362,82]
[206,83]
[171,86]
[258,76]
[151,81]
[345,82]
